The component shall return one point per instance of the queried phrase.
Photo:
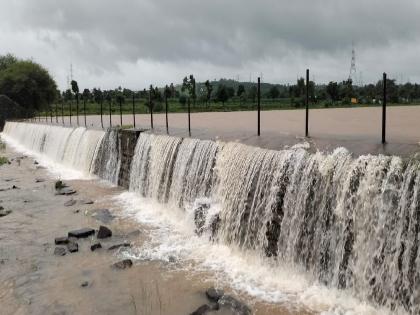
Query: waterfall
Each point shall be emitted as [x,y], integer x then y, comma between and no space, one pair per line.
[75,148]
[350,223]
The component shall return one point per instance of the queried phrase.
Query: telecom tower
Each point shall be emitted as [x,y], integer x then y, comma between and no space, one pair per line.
[352,74]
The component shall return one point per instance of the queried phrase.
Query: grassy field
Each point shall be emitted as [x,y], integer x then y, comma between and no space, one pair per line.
[175,107]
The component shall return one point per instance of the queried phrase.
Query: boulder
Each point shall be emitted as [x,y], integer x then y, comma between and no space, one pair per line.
[95,246]
[73,247]
[61,240]
[123,264]
[59,251]
[70,203]
[59,185]
[214,295]
[86,202]
[15,187]
[204,309]
[81,233]
[103,232]
[200,214]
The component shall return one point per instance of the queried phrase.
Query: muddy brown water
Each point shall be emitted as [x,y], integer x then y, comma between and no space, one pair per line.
[35,281]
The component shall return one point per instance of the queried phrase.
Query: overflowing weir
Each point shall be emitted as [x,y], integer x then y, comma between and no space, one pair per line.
[350,223]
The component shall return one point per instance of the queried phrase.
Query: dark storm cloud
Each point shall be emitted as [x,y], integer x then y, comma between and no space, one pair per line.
[227,34]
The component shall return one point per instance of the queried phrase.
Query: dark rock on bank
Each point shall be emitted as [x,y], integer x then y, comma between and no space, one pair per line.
[15,187]
[117,246]
[214,295]
[123,264]
[61,240]
[73,247]
[85,202]
[84,284]
[235,305]
[59,251]
[81,233]
[70,203]
[103,232]
[95,246]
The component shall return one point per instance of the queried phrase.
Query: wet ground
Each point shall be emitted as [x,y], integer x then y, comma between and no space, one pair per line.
[357,129]
[35,281]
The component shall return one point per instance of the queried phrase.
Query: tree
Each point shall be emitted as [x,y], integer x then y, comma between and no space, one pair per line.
[26,83]
[332,91]
[86,95]
[222,94]
[209,89]
[274,92]
[252,93]
[241,90]
[74,87]
[188,85]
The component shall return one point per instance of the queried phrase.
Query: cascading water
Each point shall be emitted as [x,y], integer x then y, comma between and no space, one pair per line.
[350,223]
[75,148]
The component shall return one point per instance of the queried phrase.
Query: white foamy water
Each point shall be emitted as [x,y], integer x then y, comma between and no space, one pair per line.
[66,152]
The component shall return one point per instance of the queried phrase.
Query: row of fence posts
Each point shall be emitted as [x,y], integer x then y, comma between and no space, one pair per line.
[384,103]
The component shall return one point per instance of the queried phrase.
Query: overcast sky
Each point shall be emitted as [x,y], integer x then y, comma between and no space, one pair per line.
[134,43]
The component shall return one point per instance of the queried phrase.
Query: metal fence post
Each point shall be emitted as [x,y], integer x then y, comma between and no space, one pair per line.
[110,114]
[166,109]
[151,108]
[384,110]
[307,105]
[101,104]
[77,108]
[70,112]
[259,106]
[62,111]
[84,108]
[134,113]
[120,101]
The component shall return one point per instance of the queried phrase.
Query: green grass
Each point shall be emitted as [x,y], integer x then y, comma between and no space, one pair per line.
[175,107]
[3,160]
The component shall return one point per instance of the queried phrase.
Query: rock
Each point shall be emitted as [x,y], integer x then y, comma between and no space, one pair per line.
[123,264]
[81,233]
[76,211]
[214,295]
[73,247]
[70,203]
[84,284]
[4,212]
[103,215]
[171,259]
[204,309]
[215,225]
[86,202]
[116,246]
[235,305]
[95,246]
[61,240]
[134,233]
[39,180]
[59,251]
[65,191]
[36,162]
[103,232]
[15,187]
[59,185]
[200,214]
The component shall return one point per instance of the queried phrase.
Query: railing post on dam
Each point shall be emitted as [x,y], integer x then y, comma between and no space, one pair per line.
[166,109]
[110,114]
[84,108]
[259,107]
[151,107]
[120,103]
[101,108]
[307,105]
[134,113]
[384,110]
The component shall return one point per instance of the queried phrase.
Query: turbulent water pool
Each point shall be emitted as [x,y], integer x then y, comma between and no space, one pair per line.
[324,232]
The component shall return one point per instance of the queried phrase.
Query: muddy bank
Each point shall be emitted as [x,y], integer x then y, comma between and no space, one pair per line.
[35,281]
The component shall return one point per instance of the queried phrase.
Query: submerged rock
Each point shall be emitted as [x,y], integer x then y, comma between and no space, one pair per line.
[59,185]
[59,251]
[103,215]
[204,309]
[39,180]
[86,202]
[73,247]
[81,233]
[84,284]
[214,294]
[117,246]
[95,246]
[123,264]
[235,305]
[70,203]
[103,232]
[61,240]
[200,214]
[65,191]
[15,187]
[4,212]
